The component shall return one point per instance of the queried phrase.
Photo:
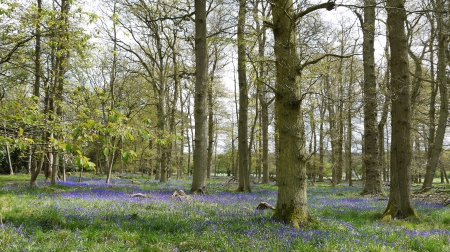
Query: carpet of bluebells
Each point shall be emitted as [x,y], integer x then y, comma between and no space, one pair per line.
[94,216]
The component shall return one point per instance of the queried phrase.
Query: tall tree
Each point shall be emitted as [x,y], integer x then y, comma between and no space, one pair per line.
[244,176]
[372,183]
[399,204]
[292,207]
[61,66]
[109,161]
[35,167]
[435,148]
[200,108]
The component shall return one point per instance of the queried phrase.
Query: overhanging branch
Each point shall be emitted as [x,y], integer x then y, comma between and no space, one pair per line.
[314,61]
[328,5]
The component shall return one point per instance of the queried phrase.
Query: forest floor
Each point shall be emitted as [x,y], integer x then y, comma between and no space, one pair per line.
[135,213]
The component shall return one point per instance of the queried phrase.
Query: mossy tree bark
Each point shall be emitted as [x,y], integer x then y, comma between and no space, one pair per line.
[399,205]
[292,206]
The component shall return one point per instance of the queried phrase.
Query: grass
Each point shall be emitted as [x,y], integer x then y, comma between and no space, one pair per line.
[93,216]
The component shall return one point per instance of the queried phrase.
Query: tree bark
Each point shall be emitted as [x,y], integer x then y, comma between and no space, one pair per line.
[370,151]
[35,168]
[244,178]
[200,113]
[321,139]
[262,93]
[292,206]
[215,57]
[435,148]
[399,204]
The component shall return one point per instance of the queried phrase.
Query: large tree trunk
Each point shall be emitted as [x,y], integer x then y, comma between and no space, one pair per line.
[201,61]
[399,205]
[292,206]
[435,147]
[370,151]
[243,103]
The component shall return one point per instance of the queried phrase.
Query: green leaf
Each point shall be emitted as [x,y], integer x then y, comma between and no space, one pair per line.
[22,146]
[125,156]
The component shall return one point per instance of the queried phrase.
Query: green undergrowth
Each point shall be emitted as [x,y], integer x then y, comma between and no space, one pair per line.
[92,216]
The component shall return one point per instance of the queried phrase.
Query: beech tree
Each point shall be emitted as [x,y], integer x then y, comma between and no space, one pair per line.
[292,206]
[372,181]
[200,108]
[435,147]
[399,204]
[244,162]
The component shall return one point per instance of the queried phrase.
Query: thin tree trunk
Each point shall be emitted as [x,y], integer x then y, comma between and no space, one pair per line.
[435,148]
[262,92]
[8,154]
[321,139]
[211,113]
[33,165]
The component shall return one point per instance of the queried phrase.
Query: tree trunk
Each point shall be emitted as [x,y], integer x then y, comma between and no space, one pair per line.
[348,145]
[8,153]
[321,139]
[373,178]
[109,162]
[292,207]
[382,160]
[201,62]
[243,102]
[35,168]
[211,111]
[435,148]
[333,124]
[210,129]
[55,171]
[262,93]
[399,205]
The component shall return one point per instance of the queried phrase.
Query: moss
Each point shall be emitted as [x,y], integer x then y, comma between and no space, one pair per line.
[392,212]
[291,215]
[389,213]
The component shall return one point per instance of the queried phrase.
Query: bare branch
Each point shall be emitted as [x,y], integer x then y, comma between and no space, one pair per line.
[328,5]
[312,62]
